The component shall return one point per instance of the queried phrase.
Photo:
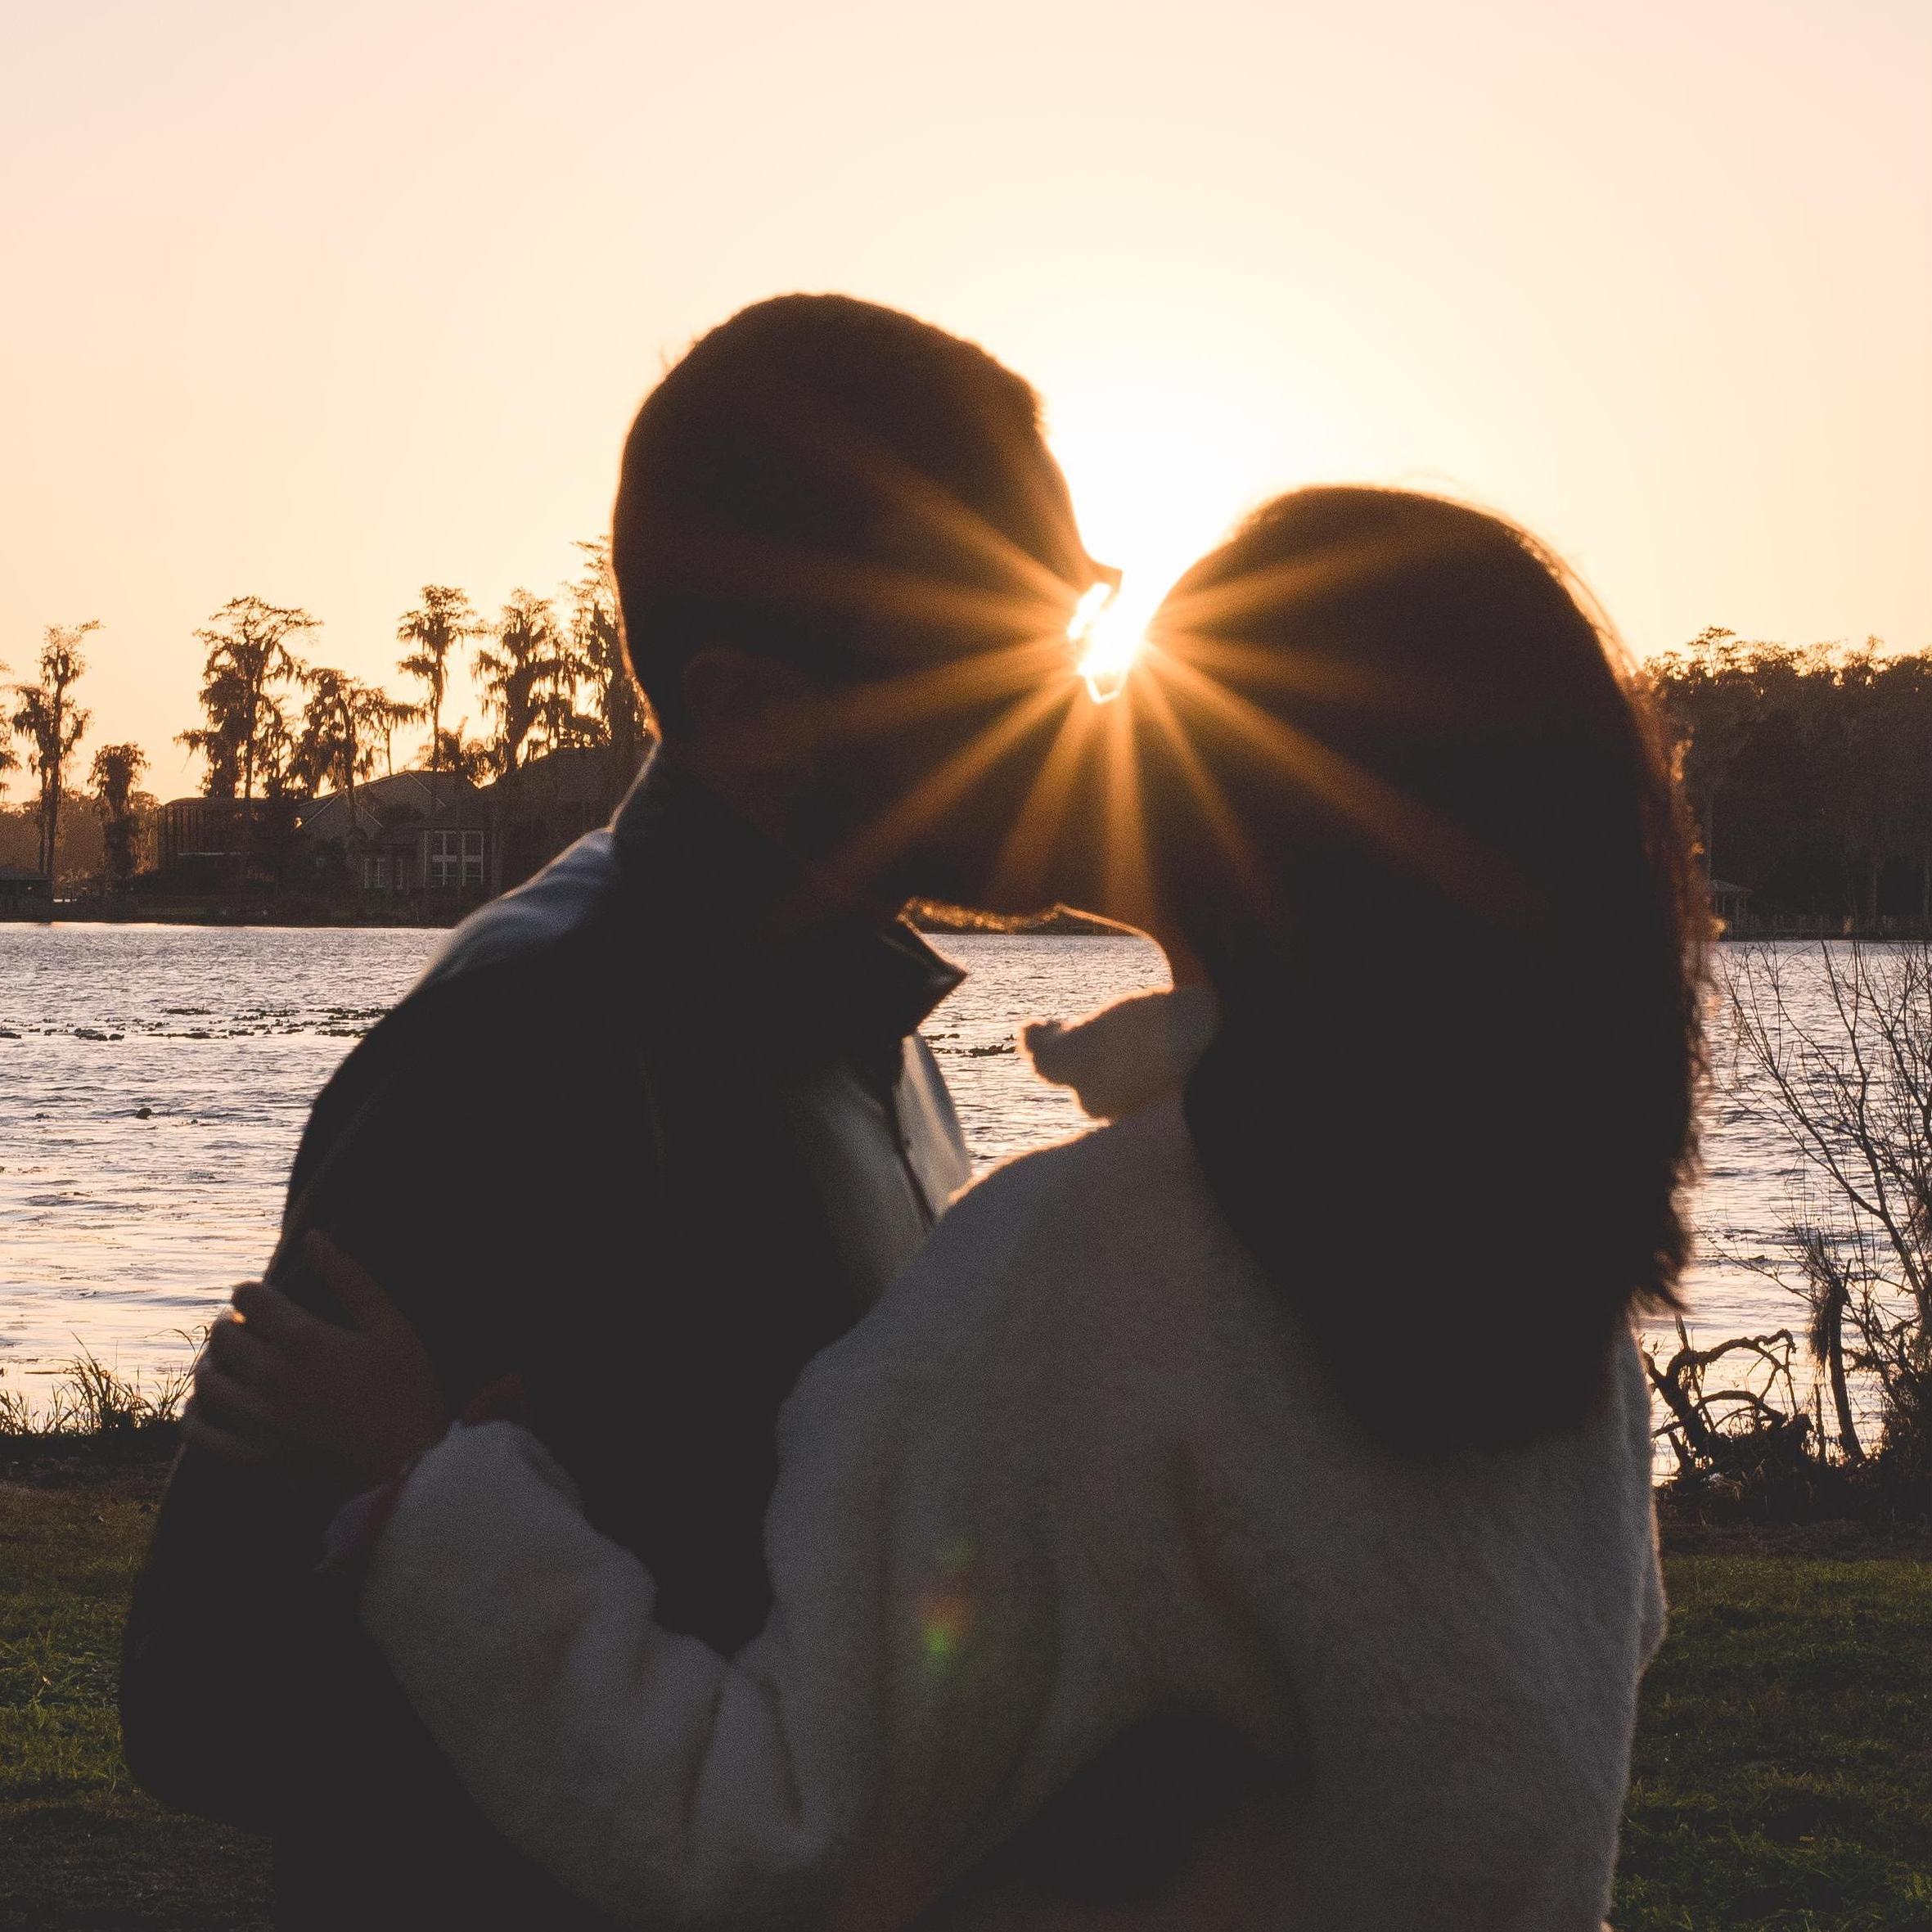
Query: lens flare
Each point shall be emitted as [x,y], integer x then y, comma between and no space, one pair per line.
[947,1612]
[1106,642]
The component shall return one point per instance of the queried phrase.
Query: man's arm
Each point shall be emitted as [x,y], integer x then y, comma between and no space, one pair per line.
[245,1689]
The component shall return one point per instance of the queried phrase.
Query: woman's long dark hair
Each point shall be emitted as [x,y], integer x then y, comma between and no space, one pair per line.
[1417,823]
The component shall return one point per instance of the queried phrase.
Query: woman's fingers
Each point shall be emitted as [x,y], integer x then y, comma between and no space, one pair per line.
[239,1348]
[196,1428]
[274,1318]
[231,1401]
[357,1292]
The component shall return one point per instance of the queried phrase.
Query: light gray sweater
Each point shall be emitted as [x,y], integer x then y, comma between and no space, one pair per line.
[1080,1467]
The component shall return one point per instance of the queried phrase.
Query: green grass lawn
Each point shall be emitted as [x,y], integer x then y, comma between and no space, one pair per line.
[1783,1773]
[81,1847]
[1783,1776]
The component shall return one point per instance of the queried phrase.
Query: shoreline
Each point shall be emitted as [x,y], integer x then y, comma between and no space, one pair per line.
[1058,922]
[133,1462]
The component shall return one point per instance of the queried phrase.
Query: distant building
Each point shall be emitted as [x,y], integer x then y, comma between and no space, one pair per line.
[542,807]
[206,836]
[25,895]
[410,833]
[1729,903]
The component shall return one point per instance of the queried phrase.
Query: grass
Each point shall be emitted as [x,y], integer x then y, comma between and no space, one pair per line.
[83,1847]
[95,1404]
[1783,1776]
[1783,1772]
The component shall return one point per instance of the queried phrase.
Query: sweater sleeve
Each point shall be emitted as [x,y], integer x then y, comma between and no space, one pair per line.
[945,1649]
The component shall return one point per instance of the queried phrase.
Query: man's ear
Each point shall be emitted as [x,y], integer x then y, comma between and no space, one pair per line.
[752,704]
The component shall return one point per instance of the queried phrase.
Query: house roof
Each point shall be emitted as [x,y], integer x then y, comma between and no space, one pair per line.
[19,875]
[401,801]
[579,774]
[200,801]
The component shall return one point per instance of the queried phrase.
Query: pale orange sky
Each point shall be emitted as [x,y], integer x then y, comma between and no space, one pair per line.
[322,302]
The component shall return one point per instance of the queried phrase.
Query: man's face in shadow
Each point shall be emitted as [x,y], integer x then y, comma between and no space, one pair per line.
[932,778]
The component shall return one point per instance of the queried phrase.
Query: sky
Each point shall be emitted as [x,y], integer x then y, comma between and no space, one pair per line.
[323,303]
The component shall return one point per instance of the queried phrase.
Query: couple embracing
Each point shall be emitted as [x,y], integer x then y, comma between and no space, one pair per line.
[651,1488]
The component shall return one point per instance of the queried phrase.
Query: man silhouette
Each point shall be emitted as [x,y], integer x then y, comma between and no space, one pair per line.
[656,1128]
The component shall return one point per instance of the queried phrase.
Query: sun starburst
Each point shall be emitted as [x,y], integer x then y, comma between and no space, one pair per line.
[1106,639]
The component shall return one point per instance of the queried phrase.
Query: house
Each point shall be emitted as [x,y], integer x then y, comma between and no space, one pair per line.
[209,836]
[542,807]
[25,895]
[411,833]
[1728,903]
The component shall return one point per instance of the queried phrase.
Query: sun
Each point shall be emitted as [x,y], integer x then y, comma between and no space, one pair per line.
[1106,639]
[1162,457]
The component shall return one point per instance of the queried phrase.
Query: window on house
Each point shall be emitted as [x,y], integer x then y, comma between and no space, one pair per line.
[376,872]
[456,858]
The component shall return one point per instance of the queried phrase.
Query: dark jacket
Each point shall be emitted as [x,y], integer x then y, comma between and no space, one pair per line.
[644,1136]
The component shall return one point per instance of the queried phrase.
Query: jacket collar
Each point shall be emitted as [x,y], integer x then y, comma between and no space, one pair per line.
[732,915]
[1128,1055]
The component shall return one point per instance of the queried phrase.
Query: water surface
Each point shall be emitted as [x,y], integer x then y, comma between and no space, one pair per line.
[153,1081]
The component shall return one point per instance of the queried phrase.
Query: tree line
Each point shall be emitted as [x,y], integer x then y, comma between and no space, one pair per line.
[1809,769]
[551,672]
[46,719]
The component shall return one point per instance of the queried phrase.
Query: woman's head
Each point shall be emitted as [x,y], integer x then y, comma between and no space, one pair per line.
[1412,818]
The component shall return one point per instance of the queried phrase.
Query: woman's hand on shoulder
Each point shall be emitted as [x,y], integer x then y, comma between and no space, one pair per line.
[325,1410]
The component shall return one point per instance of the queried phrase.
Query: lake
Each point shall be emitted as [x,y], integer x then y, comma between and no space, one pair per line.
[153,1081]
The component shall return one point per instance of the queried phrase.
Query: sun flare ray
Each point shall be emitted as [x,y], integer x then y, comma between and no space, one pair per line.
[930,511]
[871,850]
[1451,858]
[1223,823]
[886,704]
[1021,872]
[1128,870]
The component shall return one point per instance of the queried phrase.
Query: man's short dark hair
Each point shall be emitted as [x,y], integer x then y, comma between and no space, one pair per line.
[769,470]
